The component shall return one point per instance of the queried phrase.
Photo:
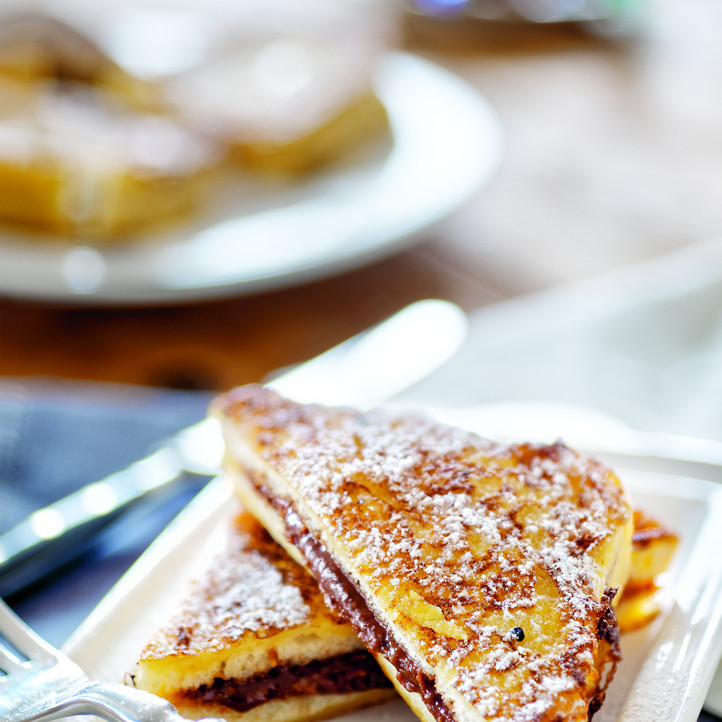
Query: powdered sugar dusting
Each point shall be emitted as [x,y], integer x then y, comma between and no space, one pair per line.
[254,596]
[490,538]
[250,588]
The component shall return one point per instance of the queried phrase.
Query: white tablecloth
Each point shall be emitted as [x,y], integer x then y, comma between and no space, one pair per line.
[644,345]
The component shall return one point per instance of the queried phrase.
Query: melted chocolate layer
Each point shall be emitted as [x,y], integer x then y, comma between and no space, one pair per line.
[352,672]
[344,597]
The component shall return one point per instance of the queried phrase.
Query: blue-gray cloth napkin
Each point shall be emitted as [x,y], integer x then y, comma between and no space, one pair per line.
[56,437]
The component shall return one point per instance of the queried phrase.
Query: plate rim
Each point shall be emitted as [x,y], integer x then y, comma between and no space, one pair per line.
[689,693]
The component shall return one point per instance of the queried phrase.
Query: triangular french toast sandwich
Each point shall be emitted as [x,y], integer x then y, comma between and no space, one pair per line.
[253,640]
[480,575]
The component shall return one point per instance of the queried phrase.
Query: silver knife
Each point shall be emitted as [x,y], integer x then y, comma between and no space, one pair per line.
[363,371]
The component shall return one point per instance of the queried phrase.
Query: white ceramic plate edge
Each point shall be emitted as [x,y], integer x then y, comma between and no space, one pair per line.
[667,668]
[676,674]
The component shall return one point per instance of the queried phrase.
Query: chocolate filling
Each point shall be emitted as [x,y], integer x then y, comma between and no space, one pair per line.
[609,637]
[352,672]
[344,597]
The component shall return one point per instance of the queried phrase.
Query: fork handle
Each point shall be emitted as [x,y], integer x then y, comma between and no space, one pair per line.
[112,702]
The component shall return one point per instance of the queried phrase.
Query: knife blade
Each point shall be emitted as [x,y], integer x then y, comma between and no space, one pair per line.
[363,371]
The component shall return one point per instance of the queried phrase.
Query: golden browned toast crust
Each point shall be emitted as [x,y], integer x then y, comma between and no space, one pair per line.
[481,575]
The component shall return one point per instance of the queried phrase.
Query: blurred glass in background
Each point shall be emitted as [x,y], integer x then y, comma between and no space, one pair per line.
[605,17]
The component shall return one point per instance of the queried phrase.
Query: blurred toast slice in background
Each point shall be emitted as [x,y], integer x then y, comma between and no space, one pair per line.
[84,150]
[289,87]
[36,47]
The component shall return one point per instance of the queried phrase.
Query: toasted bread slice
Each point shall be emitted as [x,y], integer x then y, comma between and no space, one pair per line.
[480,575]
[253,640]
[76,161]
[653,547]
[36,46]
[290,88]
[85,150]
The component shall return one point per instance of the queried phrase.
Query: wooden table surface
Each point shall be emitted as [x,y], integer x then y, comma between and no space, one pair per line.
[613,155]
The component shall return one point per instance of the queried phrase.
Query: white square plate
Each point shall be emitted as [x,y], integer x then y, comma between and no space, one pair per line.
[667,668]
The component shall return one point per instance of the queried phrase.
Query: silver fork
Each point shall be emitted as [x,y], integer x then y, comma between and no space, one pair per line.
[39,683]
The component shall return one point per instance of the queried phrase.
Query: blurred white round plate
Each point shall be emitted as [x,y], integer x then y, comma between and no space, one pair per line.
[446,143]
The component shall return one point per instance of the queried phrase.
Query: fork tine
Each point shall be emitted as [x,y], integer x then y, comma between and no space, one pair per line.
[20,636]
[9,661]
